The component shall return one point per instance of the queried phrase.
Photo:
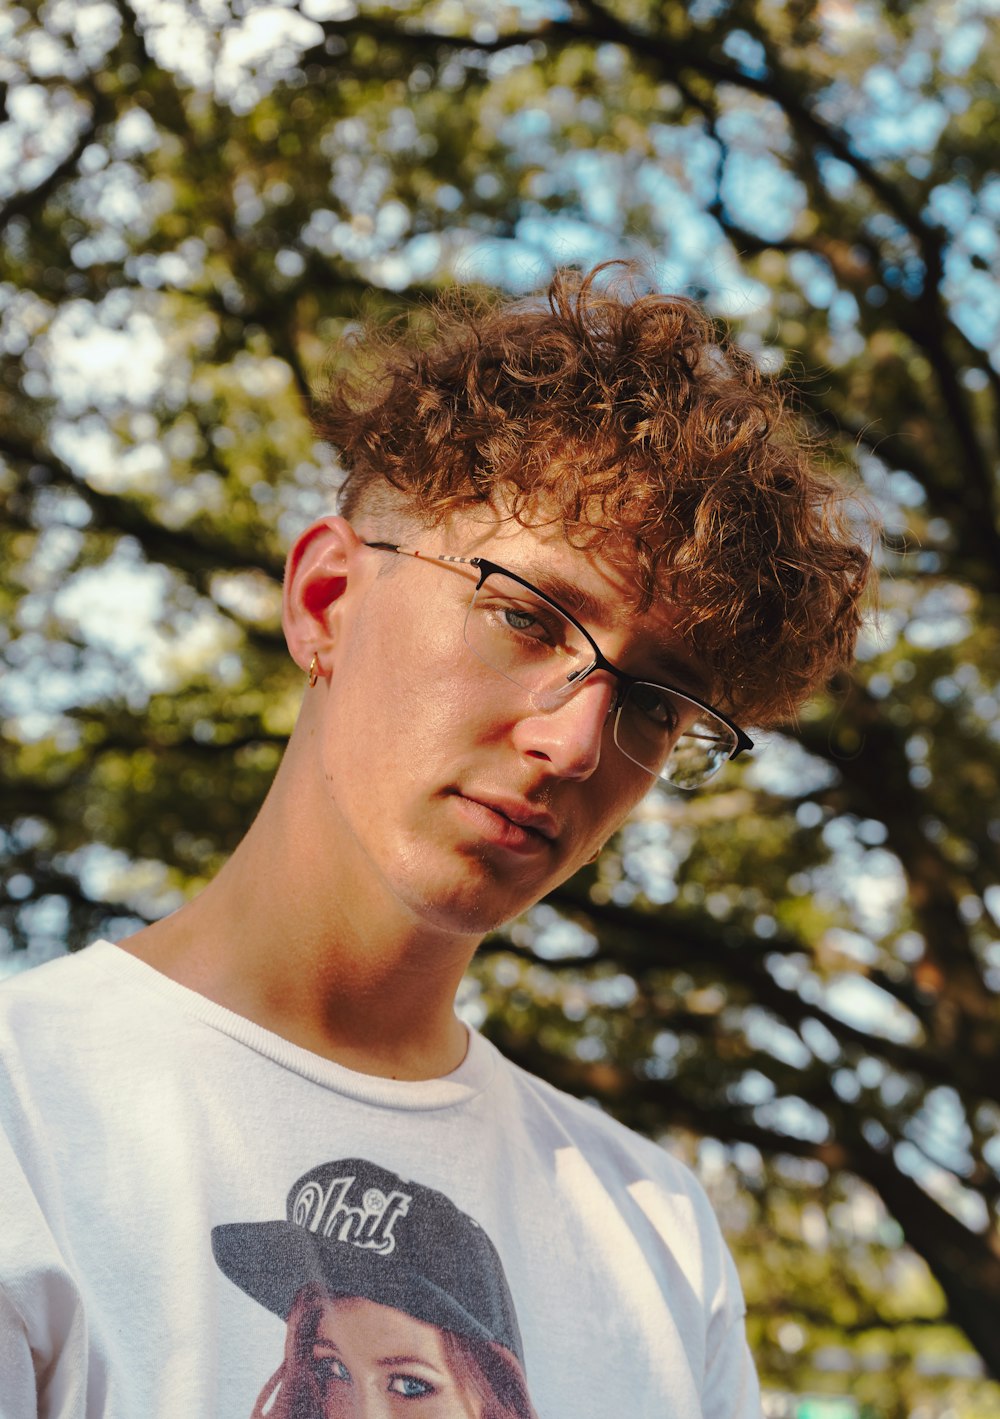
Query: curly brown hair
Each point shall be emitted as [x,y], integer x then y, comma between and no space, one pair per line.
[649,433]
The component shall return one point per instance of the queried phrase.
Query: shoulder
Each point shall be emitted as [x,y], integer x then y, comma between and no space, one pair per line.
[47,1009]
[615,1153]
[48,983]
[619,1182]
[25,987]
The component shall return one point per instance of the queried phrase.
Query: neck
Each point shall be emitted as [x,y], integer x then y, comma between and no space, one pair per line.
[296,935]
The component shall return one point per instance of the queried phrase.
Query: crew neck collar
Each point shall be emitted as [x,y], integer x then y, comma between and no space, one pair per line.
[471,1077]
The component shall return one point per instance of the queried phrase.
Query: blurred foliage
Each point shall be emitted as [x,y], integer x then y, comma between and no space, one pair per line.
[800,967]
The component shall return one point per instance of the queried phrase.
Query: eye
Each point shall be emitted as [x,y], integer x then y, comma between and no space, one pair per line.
[656,705]
[327,1368]
[529,623]
[518,620]
[409,1386]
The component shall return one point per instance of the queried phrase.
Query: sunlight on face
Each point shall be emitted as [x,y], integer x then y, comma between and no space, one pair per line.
[373,1362]
[421,737]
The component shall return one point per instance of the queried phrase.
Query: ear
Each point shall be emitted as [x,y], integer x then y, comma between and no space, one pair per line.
[316,576]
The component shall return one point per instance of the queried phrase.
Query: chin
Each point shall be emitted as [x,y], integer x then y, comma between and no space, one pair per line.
[470,919]
[471,908]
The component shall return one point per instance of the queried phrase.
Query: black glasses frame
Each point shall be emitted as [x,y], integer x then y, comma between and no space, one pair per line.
[623,680]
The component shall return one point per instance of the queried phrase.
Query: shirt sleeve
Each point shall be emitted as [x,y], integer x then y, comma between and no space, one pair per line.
[731,1390]
[43,1350]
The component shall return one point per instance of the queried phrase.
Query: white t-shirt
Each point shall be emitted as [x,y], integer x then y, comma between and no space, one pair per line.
[171,1175]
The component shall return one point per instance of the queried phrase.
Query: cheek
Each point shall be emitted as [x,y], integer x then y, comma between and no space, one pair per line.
[437,691]
[404,693]
[623,787]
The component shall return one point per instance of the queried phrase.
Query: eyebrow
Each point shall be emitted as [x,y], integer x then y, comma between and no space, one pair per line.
[586,607]
[387,1361]
[567,593]
[680,673]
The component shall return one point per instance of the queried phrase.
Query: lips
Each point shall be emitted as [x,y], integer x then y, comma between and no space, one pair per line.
[522,815]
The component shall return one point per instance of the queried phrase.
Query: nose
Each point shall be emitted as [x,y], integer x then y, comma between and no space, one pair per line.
[569,735]
[369,1402]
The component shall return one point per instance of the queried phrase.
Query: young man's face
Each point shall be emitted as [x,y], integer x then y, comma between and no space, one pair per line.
[449,788]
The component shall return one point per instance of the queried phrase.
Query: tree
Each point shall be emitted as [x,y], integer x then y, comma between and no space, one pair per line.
[803,963]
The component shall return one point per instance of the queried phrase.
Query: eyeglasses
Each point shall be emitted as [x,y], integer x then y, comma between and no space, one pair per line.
[532,641]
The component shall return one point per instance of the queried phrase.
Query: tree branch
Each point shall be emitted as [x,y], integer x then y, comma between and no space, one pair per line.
[188,549]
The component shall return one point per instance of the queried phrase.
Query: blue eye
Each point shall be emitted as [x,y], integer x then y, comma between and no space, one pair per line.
[520,620]
[409,1386]
[533,623]
[327,1368]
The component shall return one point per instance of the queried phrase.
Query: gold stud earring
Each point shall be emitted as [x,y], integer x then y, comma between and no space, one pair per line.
[313,671]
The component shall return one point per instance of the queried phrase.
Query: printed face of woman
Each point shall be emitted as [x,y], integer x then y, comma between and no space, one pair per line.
[373,1362]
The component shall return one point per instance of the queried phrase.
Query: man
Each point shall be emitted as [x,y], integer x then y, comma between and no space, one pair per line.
[578,549]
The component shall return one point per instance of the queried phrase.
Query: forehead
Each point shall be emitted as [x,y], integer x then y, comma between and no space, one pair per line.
[592,585]
[345,1319]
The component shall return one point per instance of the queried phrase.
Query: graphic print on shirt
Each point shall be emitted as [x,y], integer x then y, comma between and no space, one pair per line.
[394,1301]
